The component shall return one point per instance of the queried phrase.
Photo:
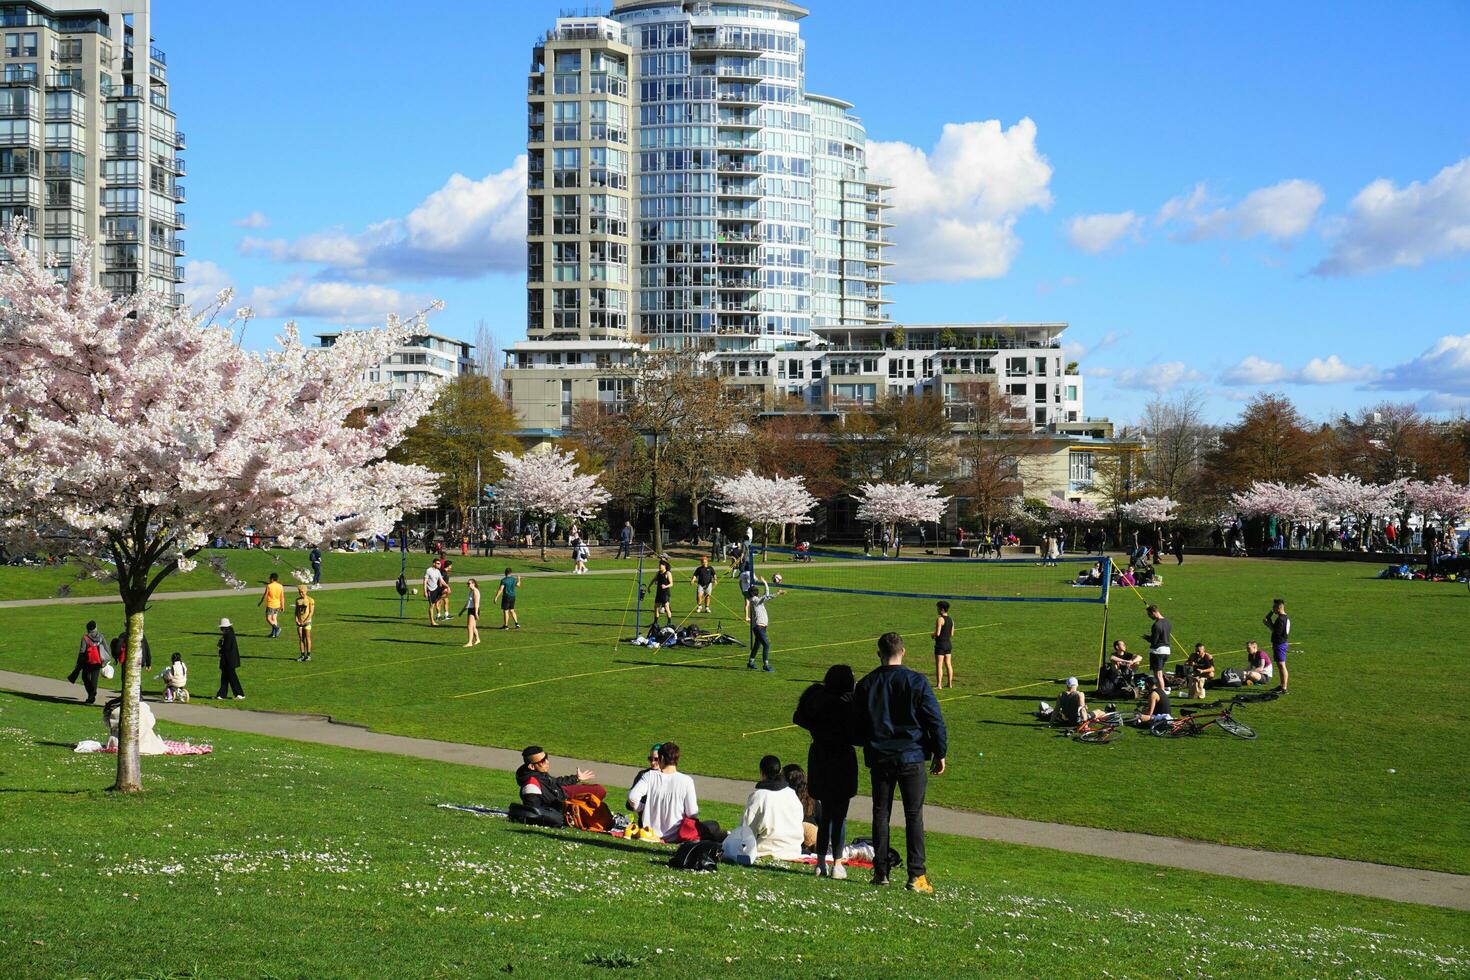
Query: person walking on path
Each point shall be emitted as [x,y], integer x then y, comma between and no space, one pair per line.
[898,723]
[506,595]
[274,598]
[305,610]
[472,613]
[315,557]
[625,540]
[943,644]
[120,649]
[92,656]
[1158,645]
[756,601]
[1280,626]
[825,710]
[229,663]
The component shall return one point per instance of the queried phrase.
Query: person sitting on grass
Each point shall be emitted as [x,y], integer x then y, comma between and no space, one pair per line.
[772,819]
[1071,709]
[1090,576]
[1117,673]
[811,808]
[541,790]
[1257,665]
[664,798]
[1197,669]
[1156,706]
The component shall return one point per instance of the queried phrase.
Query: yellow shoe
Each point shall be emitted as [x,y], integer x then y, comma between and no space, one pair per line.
[921,885]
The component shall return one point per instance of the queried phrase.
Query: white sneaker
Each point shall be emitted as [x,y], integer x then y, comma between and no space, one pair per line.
[837,871]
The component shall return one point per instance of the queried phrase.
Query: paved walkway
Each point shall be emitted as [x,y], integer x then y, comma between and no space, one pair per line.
[1332,874]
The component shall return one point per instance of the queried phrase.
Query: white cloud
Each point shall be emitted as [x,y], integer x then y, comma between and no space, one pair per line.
[463,230]
[1157,378]
[202,282]
[254,219]
[1052,285]
[1332,371]
[1444,404]
[1329,370]
[1280,212]
[1076,351]
[1388,227]
[1095,233]
[334,302]
[956,208]
[1254,370]
[1443,368]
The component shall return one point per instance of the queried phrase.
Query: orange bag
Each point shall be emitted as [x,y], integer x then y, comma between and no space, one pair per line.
[588,813]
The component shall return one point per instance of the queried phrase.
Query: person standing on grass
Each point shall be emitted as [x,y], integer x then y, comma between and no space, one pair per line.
[305,610]
[445,567]
[229,663]
[703,581]
[472,613]
[92,656]
[1178,547]
[663,594]
[315,557]
[506,595]
[274,598]
[898,723]
[433,584]
[825,710]
[756,601]
[1158,645]
[1280,625]
[943,644]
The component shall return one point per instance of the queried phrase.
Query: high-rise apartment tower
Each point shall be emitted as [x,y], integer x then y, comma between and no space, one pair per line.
[686,189]
[88,143]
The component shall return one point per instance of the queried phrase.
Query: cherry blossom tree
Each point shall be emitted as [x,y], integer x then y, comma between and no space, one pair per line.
[778,500]
[547,486]
[1074,512]
[1350,495]
[1443,497]
[1268,499]
[894,504]
[1150,510]
[130,430]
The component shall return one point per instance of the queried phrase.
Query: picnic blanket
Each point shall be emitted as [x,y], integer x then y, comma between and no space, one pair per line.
[171,747]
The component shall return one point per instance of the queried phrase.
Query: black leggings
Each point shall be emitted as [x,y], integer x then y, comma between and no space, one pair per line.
[831,827]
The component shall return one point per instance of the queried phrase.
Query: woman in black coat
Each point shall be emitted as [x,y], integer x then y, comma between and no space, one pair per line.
[229,662]
[825,710]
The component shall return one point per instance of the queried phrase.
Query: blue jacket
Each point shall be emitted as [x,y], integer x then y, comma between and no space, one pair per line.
[897,718]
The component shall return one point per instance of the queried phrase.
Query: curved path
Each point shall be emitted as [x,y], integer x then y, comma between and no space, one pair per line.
[1331,874]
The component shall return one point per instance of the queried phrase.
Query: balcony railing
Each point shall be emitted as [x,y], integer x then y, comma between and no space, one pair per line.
[66,80]
[21,76]
[179,141]
[157,55]
[721,44]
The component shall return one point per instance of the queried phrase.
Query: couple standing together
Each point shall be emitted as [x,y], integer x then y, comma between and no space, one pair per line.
[894,715]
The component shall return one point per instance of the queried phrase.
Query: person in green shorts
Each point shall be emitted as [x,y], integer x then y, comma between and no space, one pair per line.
[507,596]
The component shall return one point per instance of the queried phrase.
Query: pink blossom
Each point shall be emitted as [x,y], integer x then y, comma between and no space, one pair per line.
[1267,499]
[1150,510]
[764,501]
[1445,497]
[900,503]
[547,486]
[1074,511]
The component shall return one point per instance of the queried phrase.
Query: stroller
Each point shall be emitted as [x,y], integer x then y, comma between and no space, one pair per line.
[803,552]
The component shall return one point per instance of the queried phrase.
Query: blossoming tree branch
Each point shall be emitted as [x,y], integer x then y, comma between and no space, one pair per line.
[130,431]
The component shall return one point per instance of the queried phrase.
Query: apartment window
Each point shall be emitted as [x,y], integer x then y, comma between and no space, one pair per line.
[870,365]
[565,164]
[1079,468]
[19,72]
[21,45]
[1071,393]
[568,61]
[1018,391]
[567,122]
[1016,368]
[1040,392]
[567,299]
[1041,366]
[120,171]
[15,132]
[120,200]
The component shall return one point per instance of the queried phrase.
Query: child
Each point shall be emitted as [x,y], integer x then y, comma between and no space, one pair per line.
[175,680]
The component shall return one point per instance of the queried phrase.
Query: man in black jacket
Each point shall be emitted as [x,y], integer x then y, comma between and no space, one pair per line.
[899,726]
[540,789]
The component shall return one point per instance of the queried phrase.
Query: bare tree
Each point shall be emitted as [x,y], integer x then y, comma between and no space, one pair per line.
[1177,438]
[489,358]
[991,447]
[899,439]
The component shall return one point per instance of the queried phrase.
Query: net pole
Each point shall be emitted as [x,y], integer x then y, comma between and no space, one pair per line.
[1107,584]
[638,615]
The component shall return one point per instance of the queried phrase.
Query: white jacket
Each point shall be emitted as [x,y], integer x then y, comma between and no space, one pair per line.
[774,817]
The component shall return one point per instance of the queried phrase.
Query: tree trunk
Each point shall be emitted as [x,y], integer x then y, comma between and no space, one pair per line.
[658,527]
[129,769]
[543,540]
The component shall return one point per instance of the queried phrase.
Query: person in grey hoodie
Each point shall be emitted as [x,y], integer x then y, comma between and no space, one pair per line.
[92,655]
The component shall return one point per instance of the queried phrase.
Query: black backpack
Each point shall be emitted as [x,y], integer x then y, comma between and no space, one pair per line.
[401,585]
[1231,678]
[535,816]
[696,855]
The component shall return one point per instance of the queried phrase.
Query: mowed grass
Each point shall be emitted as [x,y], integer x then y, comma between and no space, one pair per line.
[273,859]
[1363,760]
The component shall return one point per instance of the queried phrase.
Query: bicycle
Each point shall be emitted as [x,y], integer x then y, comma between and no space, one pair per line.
[1099,731]
[1198,724]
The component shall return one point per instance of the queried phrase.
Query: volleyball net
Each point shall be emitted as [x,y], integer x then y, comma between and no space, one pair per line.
[1071,579]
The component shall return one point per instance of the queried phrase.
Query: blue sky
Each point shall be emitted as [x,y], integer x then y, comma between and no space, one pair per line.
[1223,197]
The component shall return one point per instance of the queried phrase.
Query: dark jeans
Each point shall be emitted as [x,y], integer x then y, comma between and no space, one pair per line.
[911,780]
[316,573]
[89,679]
[832,828]
[229,681]
[758,641]
[624,549]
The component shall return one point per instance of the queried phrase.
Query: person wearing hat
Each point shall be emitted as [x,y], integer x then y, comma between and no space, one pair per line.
[229,663]
[1071,707]
[541,789]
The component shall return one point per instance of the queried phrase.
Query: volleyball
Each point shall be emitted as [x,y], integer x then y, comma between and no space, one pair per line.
[776,578]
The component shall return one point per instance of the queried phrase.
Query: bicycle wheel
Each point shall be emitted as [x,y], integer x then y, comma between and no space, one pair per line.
[697,642]
[1176,729]
[1237,728]
[1100,736]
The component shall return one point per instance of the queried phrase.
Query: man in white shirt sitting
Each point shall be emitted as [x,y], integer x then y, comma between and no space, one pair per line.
[773,816]
[664,797]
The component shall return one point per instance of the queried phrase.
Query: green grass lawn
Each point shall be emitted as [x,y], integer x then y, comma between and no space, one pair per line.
[274,859]
[1364,759]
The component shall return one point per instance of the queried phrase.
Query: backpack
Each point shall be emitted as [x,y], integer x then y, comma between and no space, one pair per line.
[588,813]
[535,816]
[696,855]
[1231,678]
[895,860]
[401,585]
[94,654]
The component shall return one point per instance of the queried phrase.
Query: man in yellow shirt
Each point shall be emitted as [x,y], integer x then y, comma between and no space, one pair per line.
[275,601]
[305,609]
